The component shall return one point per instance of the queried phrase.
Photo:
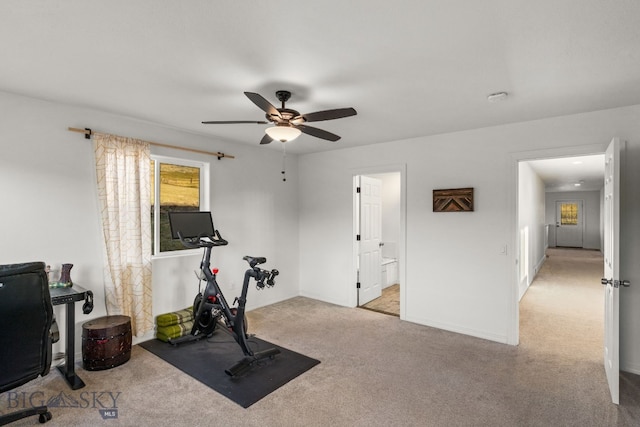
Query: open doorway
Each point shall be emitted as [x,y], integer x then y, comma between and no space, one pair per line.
[379,240]
[608,265]
[560,302]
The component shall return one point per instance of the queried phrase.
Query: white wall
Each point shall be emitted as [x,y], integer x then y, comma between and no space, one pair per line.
[531,220]
[456,277]
[49,204]
[591,239]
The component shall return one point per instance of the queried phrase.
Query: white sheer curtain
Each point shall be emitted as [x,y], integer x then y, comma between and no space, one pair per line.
[122,170]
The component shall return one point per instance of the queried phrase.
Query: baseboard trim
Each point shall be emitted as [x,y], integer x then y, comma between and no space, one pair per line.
[632,368]
[323,299]
[502,339]
[539,266]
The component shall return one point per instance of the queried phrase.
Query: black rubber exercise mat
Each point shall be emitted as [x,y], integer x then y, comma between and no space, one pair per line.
[207,359]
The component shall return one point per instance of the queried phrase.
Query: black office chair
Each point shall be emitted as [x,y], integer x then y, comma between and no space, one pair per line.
[26,319]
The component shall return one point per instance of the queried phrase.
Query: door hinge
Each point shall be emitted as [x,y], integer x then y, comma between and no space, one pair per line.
[358,237]
[358,285]
[358,190]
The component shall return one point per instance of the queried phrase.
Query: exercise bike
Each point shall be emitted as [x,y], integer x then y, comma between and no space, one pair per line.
[210,308]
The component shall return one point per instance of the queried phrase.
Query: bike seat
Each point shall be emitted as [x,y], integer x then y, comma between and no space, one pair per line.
[253,261]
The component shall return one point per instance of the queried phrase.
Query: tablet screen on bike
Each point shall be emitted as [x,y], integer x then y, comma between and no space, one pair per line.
[190,224]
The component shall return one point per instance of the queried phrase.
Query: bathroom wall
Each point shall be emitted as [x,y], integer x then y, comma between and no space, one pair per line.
[390,213]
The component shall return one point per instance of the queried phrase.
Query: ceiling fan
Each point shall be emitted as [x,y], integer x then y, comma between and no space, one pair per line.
[289,124]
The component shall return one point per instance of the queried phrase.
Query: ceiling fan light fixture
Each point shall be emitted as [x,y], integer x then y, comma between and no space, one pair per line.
[283,133]
[288,124]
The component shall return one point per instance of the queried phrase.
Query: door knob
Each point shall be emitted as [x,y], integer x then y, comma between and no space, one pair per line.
[615,283]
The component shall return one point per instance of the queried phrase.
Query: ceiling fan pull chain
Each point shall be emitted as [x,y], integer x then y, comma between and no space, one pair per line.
[284,161]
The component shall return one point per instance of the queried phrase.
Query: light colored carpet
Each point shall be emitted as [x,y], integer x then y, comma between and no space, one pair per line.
[377,370]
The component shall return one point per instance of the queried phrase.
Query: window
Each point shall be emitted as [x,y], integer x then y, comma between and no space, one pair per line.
[176,185]
[569,214]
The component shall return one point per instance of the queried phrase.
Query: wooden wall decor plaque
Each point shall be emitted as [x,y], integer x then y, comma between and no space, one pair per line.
[453,200]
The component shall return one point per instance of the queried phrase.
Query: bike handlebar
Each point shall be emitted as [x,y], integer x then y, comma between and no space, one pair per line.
[259,274]
[201,242]
[269,276]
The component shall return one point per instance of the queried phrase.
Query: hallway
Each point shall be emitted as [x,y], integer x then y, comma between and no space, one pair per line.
[563,309]
[562,322]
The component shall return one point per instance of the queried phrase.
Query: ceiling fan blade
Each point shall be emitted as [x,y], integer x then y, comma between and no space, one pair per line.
[232,122]
[337,113]
[318,133]
[266,139]
[264,105]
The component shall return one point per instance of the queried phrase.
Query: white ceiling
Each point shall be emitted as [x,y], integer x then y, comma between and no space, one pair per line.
[410,68]
[584,173]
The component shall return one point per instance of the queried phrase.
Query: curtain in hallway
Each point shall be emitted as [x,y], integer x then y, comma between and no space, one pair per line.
[122,171]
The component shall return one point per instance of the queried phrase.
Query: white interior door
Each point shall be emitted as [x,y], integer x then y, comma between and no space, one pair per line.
[369,252]
[569,224]
[611,267]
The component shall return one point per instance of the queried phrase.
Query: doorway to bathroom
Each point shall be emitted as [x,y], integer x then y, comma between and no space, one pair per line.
[378,214]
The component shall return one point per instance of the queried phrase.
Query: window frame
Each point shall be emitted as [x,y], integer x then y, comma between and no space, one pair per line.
[204,199]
